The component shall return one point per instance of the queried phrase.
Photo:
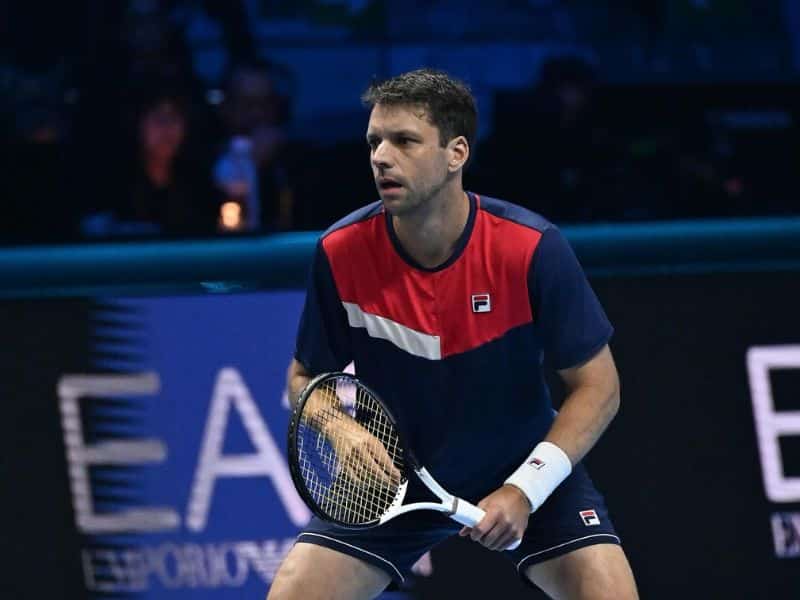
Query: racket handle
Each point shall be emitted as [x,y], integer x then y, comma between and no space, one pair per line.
[470,515]
[467,514]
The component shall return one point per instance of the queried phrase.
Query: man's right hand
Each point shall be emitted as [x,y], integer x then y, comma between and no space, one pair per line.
[363,457]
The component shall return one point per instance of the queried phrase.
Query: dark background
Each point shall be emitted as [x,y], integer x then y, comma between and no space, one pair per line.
[42,340]
[589,110]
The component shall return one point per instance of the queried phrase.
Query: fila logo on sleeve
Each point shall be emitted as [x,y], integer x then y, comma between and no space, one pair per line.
[589,517]
[481,303]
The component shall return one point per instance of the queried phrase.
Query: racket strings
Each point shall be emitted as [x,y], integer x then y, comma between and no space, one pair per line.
[348,452]
[375,491]
[339,499]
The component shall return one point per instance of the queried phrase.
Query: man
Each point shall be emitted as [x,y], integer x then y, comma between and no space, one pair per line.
[447,302]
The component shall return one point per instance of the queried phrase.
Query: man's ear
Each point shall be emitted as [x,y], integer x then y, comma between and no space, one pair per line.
[458,151]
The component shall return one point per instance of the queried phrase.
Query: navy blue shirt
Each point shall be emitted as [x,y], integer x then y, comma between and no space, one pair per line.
[455,351]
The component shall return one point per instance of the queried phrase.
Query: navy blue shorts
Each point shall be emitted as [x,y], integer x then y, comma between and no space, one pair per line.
[573,517]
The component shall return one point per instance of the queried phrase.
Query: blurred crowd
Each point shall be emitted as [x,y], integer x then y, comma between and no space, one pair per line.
[127,138]
[128,128]
[579,151]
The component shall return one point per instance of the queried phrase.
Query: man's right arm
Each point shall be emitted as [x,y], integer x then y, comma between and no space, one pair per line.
[296,379]
[319,412]
[358,450]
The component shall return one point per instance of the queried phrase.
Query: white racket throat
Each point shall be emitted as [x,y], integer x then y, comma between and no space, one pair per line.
[457,509]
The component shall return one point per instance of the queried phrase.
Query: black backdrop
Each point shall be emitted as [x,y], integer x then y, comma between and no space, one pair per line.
[679,466]
[41,340]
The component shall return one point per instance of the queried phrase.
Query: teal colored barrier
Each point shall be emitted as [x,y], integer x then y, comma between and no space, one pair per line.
[281,261]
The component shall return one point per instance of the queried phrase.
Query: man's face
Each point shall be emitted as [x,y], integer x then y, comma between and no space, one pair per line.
[408,162]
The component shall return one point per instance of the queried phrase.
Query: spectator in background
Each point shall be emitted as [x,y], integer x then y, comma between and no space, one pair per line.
[217,35]
[153,45]
[36,157]
[134,44]
[251,171]
[565,171]
[161,185]
[572,151]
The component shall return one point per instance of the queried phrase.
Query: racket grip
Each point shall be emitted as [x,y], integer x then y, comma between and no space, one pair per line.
[467,514]
[470,515]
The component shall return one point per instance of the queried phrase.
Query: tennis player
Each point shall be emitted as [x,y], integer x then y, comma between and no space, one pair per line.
[448,301]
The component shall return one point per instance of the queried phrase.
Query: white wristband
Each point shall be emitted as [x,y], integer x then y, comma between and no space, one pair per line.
[541,473]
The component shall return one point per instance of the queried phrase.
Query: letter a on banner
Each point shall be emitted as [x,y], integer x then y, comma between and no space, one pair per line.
[231,391]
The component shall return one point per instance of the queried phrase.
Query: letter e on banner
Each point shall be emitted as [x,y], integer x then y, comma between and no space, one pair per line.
[81,456]
[772,424]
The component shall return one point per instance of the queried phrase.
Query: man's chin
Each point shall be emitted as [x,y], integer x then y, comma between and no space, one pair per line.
[395,205]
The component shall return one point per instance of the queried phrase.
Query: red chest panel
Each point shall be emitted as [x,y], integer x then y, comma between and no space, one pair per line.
[476,299]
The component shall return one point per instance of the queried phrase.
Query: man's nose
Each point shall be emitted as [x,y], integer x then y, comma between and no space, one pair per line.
[381,156]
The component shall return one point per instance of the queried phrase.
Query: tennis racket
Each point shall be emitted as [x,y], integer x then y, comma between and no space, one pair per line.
[348,461]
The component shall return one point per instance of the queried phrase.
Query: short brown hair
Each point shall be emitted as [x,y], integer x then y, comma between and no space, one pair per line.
[448,101]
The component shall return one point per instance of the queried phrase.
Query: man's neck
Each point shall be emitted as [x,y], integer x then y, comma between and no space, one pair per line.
[430,236]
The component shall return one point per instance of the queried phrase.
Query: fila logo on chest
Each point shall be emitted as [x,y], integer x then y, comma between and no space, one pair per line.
[481,303]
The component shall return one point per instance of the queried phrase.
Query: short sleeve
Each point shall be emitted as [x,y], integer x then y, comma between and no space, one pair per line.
[323,338]
[566,311]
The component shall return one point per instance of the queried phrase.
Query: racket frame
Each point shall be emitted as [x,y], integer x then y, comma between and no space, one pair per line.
[456,508]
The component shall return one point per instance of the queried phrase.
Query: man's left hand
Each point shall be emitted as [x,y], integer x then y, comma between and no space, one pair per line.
[507,511]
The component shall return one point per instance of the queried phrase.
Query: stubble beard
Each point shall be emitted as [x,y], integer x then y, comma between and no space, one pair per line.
[416,204]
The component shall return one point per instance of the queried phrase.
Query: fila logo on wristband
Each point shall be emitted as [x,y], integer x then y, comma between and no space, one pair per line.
[536,463]
[589,517]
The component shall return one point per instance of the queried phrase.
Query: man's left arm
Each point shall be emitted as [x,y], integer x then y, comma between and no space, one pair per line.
[592,401]
[575,332]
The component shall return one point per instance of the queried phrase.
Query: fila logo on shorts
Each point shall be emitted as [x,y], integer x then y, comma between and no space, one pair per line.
[481,303]
[589,517]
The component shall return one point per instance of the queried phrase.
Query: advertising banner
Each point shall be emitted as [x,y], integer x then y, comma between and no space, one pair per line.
[144,440]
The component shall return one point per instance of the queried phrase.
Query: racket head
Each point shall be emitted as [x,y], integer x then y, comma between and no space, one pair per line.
[324,416]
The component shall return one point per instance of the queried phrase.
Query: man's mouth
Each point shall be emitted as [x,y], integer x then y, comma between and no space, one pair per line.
[388,184]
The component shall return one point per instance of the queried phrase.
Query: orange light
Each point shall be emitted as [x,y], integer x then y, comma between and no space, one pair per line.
[230,215]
